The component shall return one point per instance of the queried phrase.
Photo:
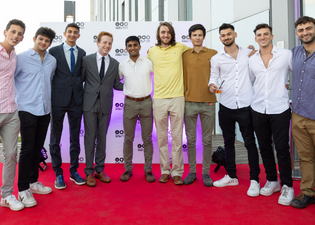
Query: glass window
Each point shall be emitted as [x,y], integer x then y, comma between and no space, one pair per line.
[309,8]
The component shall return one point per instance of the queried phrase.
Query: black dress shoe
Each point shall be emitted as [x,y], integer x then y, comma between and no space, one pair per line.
[59,183]
[302,201]
[77,179]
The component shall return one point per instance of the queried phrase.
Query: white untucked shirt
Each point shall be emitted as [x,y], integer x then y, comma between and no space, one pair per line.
[237,90]
[137,77]
[271,95]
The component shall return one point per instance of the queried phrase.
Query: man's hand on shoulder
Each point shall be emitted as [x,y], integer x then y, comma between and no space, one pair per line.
[253,50]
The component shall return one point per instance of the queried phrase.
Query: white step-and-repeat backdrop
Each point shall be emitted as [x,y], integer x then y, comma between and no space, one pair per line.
[146,31]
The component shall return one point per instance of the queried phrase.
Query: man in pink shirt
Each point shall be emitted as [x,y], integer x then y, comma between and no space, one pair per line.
[9,120]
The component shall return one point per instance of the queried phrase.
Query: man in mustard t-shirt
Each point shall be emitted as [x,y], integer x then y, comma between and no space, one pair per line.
[168,100]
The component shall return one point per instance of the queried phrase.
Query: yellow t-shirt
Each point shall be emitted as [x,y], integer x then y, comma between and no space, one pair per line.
[168,70]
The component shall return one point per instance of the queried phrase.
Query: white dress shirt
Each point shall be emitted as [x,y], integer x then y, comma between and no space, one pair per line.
[271,95]
[237,90]
[99,62]
[137,77]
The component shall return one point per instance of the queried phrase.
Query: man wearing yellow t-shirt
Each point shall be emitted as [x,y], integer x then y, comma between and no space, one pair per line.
[168,100]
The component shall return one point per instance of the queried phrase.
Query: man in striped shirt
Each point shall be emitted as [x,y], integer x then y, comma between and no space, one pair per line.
[9,120]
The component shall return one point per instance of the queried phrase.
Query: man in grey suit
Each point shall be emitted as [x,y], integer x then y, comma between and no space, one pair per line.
[100,72]
[67,97]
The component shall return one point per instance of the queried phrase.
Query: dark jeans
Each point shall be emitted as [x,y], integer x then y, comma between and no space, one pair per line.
[276,127]
[227,119]
[33,133]
[74,117]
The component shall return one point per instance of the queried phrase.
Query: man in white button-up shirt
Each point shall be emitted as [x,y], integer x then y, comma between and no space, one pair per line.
[271,112]
[136,71]
[231,67]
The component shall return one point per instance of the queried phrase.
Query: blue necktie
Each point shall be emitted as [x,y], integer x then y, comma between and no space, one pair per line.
[72,60]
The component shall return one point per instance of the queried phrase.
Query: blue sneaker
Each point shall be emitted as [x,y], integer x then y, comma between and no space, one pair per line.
[59,183]
[77,179]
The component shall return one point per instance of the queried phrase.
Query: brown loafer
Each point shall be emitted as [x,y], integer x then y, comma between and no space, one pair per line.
[178,180]
[126,176]
[149,176]
[103,177]
[90,181]
[164,178]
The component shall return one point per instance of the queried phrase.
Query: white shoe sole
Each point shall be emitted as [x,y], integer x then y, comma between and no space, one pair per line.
[13,209]
[284,202]
[225,185]
[77,182]
[268,194]
[60,188]
[41,192]
[252,194]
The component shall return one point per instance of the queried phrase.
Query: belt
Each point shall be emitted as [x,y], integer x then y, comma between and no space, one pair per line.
[138,99]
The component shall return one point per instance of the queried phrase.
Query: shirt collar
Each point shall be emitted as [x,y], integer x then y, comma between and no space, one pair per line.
[33,52]
[274,50]
[204,49]
[222,52]
[130,60]
[99,56]
[3,49]
[67,47]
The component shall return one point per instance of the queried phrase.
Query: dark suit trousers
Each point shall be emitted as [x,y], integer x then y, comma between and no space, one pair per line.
[227,119]
[74,112]
[96,125]
[274,127]
[33,133]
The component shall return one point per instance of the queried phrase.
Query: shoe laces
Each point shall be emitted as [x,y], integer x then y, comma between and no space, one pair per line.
[268,184]
[252,185]
[284,191]
[60,178]
[12,198]
[300,196]
[28,193]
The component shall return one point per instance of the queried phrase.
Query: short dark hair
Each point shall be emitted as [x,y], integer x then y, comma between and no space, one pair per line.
[304,20]
[73,25]
[47,32]
[197,27]
[263,25]
[225,26]
[16,22]
[132,38]
[172,32]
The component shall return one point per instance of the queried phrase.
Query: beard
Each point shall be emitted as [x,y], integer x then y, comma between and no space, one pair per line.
[229,44]
[309,41]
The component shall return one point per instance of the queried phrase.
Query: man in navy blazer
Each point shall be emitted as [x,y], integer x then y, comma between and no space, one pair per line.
[67,97]
[100,72]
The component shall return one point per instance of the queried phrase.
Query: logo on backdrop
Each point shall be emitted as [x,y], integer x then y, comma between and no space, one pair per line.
[140,147]
[81,159]
[184,148]
[138,120]
[121,52]
[119,160]
[119,133]
[80,24]
[81,133]
[58,38]
[121,25]
[95,38]
[119,106]
[185,38]
[144,38]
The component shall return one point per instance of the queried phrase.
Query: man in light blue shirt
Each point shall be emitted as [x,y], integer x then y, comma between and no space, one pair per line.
[34,72]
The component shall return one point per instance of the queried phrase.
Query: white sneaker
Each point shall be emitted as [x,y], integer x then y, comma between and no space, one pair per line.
[39,188]
[12,203]
[226,181]
[254,189]
[270,187]
[287,195]
[26,197]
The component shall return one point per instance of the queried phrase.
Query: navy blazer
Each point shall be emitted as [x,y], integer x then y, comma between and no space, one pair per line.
[64,83]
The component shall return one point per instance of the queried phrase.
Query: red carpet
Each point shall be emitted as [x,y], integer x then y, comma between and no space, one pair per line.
[140,202]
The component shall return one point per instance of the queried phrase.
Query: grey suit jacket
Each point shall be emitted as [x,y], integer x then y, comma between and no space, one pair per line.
[94,85]
[64,83]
